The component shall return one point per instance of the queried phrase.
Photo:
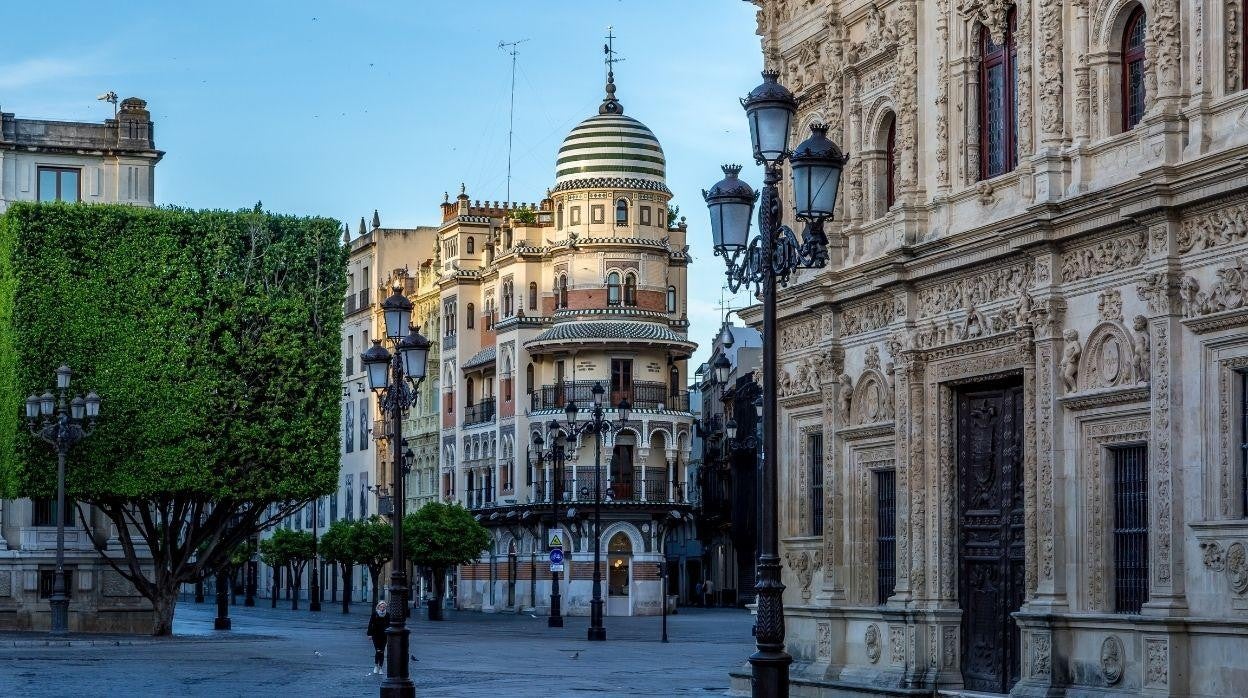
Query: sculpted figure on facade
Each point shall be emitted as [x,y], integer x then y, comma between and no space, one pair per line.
[1070,360]
[847,396]
[1142,348]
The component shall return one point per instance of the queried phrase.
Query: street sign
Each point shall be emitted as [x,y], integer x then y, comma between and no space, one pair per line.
[557,568]
[556,556]
[554,538]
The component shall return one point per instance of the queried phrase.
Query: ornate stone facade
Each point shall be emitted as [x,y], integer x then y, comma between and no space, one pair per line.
[1103,282]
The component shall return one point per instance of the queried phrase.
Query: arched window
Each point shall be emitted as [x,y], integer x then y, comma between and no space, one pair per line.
[508,300]
[471,243]
[563,291]
[890,164]
[559,218]
[1133,70]
[528,378]
[998,129]
[471,320]
[621,212]
[613,288]
[532,295]
[468,393]
[671,299]
[630,290]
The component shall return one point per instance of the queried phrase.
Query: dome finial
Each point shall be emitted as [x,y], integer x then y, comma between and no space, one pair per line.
[610,105]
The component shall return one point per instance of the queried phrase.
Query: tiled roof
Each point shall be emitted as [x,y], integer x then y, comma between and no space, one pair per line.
[637,331]
[482,358]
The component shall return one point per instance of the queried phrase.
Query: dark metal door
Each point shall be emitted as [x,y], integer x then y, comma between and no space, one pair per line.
[991,544]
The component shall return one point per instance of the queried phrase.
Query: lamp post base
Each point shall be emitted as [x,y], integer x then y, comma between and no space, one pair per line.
[554,622]
[221,624]
[770,674]
[597,634]
[407,690]
[60,616]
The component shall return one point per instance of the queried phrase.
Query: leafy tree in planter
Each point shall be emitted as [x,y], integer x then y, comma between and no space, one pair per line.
[338,547]
[373,543]
[441,536]
[291,550]
[212,337]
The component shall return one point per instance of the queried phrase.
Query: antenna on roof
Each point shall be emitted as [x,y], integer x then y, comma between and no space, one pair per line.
[511,116]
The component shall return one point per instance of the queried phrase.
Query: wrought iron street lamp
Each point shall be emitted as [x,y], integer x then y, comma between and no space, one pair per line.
[599,426]
[61,424]
[395,378]
[763,262]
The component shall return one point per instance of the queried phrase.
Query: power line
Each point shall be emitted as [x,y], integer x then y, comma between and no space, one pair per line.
[511,116]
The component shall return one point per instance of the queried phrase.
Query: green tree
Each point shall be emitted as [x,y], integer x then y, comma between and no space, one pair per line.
[291,550]
[373,543]
[213,338]
[673,215]
[337,546]
[441,536]
[524,216]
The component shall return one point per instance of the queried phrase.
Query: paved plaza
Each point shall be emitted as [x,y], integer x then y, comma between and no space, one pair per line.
[274,651]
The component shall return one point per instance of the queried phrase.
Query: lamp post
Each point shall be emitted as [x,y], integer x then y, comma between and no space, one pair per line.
[556,455]
[599,426]
[763,262]
[61,423]
[395,378]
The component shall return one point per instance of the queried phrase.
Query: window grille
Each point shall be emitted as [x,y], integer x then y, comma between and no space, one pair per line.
[885,534]
[1130,528]
[816,484]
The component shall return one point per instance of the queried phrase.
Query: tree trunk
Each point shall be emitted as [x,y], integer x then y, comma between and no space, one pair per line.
[346,588]
[163,605]
[375,573]
[294,590]
[277,585]
[435,604]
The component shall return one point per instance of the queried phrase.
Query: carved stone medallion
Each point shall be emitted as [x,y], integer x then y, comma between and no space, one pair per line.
[1111,660]
[872,640]
[1237,567]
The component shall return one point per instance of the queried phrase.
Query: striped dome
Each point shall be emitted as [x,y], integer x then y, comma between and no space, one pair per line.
[610,145]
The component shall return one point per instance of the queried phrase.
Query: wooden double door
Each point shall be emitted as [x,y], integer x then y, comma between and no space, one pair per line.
[991,553]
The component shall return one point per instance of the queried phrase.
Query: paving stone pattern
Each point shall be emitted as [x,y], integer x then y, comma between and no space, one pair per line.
[327,654]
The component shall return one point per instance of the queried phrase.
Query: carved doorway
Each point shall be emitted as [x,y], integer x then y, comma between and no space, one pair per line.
[991,552]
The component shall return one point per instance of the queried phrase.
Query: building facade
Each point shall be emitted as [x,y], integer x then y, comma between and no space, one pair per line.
[113,162]
[539,304]
[1020,383]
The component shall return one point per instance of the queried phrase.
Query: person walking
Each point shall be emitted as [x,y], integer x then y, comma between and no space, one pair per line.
[708,588]
[698,600]
[377,624]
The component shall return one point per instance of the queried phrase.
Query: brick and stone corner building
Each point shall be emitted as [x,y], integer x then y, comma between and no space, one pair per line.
[539,303]
[41,160]
[1017,393]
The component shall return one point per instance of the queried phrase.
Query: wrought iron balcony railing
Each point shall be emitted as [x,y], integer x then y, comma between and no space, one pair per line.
[642,395]
[479,413]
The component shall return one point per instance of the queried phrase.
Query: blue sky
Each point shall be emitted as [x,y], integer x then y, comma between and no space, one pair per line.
[337,108]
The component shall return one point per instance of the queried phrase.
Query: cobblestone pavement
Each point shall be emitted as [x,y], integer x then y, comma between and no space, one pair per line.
[275,651]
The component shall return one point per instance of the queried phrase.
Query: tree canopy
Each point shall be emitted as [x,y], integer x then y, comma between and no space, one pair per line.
[441,536]
[212,338]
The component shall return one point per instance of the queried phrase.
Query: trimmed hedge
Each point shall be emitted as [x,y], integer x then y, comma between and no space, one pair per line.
[212,337]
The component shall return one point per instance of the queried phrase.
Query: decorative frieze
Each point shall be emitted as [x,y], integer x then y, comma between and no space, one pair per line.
[799,336]
[1233,36]
[804,564]
[871,316]
[975,290]
[1114,254]
[1213,229]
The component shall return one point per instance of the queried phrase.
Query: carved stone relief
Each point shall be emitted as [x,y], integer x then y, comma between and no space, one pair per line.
[1070,360]
[872,400]
[1041,653]
[1229,292]
[823,640]
[871,316]
[1231,22]
[799,336]
[1157,662]
[1112,660]
[871,639]
[896,645]
[804,564]
[975,290]
[1213,229]
[1103,257]
[1109,305]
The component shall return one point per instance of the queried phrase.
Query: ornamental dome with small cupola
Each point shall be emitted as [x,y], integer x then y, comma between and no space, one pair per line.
[610,149]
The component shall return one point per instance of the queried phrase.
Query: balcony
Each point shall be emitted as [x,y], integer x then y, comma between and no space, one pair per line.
[650,488]
[479,413]
[480,497]
[643,395]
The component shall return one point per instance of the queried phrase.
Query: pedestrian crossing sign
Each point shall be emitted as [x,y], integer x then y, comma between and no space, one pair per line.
[554,539]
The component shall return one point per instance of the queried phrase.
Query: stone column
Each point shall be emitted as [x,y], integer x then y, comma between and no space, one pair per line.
[911,375]
[834,530]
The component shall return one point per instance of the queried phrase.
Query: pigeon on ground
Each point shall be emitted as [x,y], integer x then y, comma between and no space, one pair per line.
[576,655]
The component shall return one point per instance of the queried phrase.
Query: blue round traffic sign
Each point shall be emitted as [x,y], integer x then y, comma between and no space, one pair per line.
[556,556]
